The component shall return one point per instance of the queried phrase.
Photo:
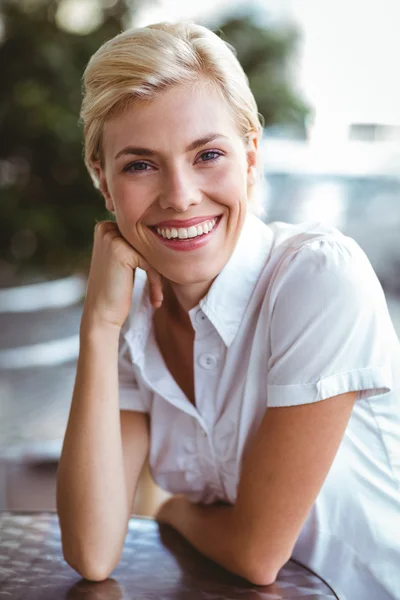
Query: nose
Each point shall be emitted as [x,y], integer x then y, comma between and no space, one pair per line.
[179,190]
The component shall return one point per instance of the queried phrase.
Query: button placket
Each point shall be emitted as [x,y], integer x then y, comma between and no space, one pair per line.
[218,477]
[207,462]
[200,317]
[192,458]
[205,363]
[202,325]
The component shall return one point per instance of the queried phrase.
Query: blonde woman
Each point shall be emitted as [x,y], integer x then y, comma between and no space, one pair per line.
[255,364]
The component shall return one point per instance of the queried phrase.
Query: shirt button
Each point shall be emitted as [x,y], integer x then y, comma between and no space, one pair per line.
[200,317]
[207,361]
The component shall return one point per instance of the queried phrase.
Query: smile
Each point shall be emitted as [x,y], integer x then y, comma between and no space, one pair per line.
[187,238]
[183,233]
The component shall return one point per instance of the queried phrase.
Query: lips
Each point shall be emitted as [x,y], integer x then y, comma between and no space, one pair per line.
[187,244]
[191,232]
[184,224]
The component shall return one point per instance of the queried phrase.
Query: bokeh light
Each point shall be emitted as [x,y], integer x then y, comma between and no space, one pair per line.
[79,16]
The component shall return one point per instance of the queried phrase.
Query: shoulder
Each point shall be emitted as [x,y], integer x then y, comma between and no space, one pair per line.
[322,272]
[292,237]
[316,250]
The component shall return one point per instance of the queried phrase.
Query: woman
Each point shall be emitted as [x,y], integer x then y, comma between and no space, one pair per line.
[255,364]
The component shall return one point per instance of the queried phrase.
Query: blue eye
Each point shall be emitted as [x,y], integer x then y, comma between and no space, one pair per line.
[139,163]
[141,166]
[216,154]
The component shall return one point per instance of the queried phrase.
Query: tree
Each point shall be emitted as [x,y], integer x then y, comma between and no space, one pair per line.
[48,202]
[266,56]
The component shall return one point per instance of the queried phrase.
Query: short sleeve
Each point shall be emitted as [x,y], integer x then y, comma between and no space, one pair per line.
[330,327]
[130,396]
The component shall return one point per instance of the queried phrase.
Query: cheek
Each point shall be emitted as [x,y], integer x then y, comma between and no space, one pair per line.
[228,184]
[130,199]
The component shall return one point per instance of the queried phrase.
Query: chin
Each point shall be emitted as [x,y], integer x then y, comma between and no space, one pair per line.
[191,274]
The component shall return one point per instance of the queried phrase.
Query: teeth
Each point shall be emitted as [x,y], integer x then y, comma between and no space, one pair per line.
[190,232]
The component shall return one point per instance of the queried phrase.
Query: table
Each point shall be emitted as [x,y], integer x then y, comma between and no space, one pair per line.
[157,564]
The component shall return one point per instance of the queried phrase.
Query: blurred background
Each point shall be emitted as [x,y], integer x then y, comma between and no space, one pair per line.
[324,75]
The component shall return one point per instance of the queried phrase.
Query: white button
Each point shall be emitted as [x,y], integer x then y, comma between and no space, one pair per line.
[200,316]
[207,361]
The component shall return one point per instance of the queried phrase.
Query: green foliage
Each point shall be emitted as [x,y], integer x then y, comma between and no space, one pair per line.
[47,199]
[265,55]
[48,202]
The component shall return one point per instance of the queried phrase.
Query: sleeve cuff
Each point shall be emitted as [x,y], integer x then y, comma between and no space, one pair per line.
[131,399]
[370,381]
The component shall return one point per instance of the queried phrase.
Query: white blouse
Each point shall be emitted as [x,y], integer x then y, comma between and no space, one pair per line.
[297,315]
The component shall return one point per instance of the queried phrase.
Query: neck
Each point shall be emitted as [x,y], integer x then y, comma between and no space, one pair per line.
[179,299]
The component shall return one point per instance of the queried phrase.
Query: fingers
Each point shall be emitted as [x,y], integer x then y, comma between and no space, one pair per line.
[156,287]
[110,229]
[105,226]
[155,282]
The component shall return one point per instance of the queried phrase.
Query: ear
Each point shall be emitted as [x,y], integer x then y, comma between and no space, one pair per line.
[103,186]
[252,155]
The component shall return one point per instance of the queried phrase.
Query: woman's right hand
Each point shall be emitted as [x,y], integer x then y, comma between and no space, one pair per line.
[111,277]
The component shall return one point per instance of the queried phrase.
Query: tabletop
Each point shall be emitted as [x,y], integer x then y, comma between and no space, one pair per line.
[156,563]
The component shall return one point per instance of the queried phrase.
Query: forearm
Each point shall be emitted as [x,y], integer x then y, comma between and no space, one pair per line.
[91,487]
[212,531]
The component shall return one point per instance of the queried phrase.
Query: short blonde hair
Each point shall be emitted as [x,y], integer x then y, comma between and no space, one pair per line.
[142,62]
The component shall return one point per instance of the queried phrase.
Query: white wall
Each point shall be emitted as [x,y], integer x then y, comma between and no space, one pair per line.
[349,67]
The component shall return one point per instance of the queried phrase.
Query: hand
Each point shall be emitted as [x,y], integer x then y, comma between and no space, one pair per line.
[111,277]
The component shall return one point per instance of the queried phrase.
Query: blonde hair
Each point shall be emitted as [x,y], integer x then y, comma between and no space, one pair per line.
[140,63]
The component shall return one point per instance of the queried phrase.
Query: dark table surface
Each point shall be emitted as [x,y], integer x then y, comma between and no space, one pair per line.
[157,563]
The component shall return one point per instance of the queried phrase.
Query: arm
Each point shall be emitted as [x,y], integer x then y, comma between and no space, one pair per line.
[207,527]
[93,496]
[101,446]
[327,282]
[282,474]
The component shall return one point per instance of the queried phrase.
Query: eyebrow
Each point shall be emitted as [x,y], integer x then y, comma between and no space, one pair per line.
[192,146]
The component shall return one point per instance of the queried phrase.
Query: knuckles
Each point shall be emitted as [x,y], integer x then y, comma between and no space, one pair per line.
[105,227]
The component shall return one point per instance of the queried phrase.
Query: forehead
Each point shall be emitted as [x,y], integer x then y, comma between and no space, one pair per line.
[173,119]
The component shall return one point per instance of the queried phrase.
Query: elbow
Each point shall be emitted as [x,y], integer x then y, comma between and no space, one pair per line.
[90,571]
[94,574]
[261,571]
[90,563]
[260,567]
[261,576]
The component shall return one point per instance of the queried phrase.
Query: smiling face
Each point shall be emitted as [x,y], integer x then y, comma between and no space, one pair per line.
[178,157]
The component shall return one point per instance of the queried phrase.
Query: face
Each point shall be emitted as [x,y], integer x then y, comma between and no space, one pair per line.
[171,165]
